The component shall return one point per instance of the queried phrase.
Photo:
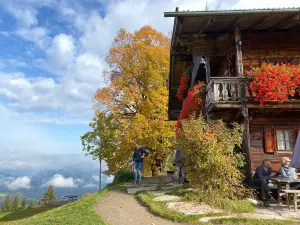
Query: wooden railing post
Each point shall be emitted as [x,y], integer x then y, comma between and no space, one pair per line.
[246,139]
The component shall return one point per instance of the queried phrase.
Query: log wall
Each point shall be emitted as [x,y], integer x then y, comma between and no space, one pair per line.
[268,47]
[259,123]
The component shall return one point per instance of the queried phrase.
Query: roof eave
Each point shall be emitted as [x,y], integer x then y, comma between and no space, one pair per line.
[230,12]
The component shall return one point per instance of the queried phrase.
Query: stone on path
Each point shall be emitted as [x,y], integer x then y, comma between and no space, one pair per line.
[157,193]
[254,201]
[243,215]
[167,187]
[188,208]
[135,190]
[167,198]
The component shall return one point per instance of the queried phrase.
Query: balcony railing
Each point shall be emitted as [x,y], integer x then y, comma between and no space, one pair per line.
[224,90]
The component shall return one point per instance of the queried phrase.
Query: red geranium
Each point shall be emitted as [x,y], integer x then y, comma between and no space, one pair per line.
[184,84]
[277,83]
[193,103]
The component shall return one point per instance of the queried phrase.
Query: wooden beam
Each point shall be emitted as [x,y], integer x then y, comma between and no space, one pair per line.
[260,22]
[207,67]
[285,21]
[232,26]
[246,138]
[246,150]
[239,55]
[208,23]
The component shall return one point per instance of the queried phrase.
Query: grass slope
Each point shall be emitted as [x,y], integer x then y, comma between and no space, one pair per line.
[159,208]
[79,212]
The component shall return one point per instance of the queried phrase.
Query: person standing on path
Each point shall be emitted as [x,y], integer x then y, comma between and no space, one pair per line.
[138,156]
[178,162]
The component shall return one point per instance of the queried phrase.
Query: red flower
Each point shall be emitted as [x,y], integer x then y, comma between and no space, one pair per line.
[193,103]
[274,82]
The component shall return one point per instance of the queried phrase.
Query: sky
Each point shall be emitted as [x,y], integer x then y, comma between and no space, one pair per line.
[52,54]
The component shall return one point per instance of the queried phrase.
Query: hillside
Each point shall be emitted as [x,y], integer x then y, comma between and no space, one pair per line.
[80,212]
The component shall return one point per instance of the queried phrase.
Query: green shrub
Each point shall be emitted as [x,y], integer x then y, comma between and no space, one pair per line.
[209,156]
[123,176]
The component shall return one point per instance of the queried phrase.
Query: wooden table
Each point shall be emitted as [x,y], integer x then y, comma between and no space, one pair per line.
[283,184]
[295,194]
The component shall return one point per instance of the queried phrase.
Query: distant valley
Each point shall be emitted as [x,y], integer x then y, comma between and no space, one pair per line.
[69,177]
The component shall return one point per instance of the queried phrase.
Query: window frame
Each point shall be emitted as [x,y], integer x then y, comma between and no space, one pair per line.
[276,140]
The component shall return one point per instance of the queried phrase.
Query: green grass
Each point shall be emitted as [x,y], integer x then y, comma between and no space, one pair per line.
[123,176]
[159,208]
[229,205]
[2,194]
[79,212]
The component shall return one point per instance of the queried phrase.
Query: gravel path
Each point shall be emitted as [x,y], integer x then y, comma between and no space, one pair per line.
[119,208]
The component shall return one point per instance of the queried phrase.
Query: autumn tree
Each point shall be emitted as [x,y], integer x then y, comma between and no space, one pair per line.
[6,204]
[101,142]
[137,94]
[23,203]
[16,203]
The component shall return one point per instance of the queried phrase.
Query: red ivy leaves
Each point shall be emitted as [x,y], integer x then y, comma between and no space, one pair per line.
[184,85]
[274,82]
[193,103]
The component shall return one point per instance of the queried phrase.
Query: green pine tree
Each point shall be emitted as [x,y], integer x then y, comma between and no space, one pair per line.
[32,204]
[42,202]
[23,204]
[6,204]
[16,203]
[49,195]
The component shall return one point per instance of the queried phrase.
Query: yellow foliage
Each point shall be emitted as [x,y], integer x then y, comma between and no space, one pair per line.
[138,95]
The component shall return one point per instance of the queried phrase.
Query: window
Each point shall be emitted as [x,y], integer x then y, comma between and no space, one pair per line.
[284,140]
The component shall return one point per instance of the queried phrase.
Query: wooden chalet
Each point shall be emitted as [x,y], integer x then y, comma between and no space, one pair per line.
[219,46]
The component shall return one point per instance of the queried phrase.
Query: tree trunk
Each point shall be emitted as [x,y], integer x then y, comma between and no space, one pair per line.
[100,174]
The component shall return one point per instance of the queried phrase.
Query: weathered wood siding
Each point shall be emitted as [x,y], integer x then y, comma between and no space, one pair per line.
[259,125]
[259,47]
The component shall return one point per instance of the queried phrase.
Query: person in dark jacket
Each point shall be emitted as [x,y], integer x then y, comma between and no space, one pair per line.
[178,162]
[139,154]
[261,179]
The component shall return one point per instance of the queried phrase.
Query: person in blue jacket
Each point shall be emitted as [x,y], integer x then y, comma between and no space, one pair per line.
[138,156]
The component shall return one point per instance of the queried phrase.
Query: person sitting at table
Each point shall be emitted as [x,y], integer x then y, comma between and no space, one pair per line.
[286,170]
[261,179]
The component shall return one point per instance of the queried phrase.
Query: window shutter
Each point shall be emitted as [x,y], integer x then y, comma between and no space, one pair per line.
[269,140]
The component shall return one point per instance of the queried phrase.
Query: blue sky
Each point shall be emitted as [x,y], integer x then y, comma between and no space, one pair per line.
[52,54]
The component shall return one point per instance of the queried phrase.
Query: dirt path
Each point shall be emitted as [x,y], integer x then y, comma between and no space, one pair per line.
[120,208]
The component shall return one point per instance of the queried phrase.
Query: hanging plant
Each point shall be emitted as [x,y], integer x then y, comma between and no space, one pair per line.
[274,83]
[193,104]
[184,84]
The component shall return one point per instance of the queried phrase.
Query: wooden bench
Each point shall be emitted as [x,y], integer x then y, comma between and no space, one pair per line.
[292,194]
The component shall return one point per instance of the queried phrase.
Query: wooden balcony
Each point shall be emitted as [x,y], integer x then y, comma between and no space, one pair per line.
[227,93]
[224,92]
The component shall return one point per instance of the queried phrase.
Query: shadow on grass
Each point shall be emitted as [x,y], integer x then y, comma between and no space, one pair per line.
[24,214]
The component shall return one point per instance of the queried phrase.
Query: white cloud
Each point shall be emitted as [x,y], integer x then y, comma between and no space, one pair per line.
[61,53]
[95,177]
[90,185]
[60,181]
[20,182]
[37,35]
[25,15]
